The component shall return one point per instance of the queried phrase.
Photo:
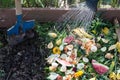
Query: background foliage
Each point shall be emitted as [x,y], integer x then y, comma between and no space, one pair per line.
[54,3]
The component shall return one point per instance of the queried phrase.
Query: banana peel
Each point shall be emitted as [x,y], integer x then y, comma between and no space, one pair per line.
[81,33]
[77,32]
[85,33]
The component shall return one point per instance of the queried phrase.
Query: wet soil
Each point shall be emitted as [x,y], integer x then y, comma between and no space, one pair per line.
[25,61]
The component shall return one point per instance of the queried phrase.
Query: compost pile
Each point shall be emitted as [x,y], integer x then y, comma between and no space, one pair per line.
[79,54]
[24,61]
[67,54]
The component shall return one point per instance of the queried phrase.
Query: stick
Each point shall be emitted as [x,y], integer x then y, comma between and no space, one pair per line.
[117,28]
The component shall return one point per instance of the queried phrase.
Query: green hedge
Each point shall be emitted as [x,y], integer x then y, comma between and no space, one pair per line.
[51,3]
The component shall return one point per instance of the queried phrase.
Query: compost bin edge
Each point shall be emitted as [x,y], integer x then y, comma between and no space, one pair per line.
[8,18]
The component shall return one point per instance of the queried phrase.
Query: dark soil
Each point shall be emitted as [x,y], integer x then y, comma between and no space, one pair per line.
[25,61]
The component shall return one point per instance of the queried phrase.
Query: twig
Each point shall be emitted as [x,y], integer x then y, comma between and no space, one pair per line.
[115,60]
[9,74]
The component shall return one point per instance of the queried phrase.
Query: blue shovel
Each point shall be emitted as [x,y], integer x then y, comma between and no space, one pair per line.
[18,31]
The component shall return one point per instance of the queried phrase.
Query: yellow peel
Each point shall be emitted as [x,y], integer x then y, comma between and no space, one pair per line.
[77,32]
[111,47]
[58,42]
[85,33]
[53,35]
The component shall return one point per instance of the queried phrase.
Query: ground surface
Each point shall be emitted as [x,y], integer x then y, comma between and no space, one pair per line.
[24,61]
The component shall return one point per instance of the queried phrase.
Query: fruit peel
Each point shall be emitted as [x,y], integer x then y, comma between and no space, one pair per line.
[99,68]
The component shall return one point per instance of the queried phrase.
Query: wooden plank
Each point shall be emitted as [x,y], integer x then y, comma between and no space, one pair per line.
[8,18]
[110,14]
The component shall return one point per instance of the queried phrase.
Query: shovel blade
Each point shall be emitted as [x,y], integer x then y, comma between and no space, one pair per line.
[14,30]
[28,25]
[20,32]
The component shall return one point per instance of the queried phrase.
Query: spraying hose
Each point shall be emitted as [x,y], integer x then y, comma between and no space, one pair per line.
[80,16]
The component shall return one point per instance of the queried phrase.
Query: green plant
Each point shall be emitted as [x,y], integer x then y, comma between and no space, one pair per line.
[115,3]
[51,3]
[33,3]
[6,3]
[2,73]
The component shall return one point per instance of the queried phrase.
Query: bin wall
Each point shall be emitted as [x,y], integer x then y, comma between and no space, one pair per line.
[8,18]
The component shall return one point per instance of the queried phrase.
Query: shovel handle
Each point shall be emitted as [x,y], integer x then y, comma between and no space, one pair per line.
[18,7]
